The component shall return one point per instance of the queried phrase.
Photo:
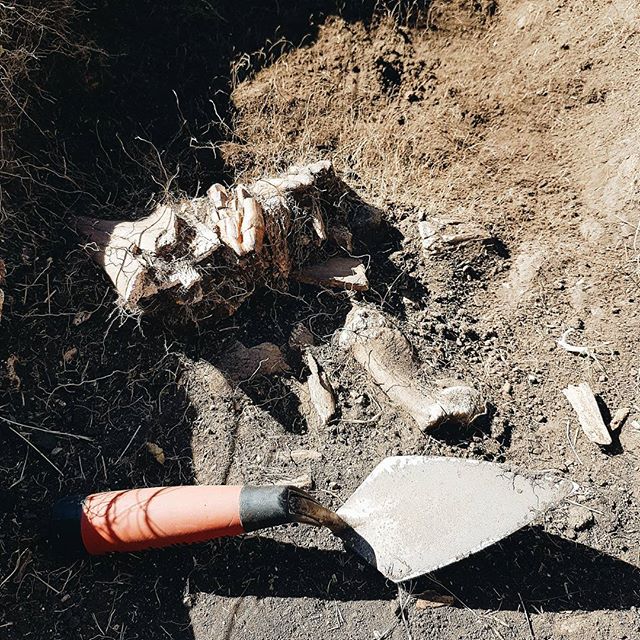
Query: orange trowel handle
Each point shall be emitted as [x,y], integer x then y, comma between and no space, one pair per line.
[158,517]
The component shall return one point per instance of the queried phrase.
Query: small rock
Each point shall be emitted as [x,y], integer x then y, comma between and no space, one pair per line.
[241,363]
[575,323]
[156,451]
[70,355]
[80,317]
[302,455]
[301,337]
[507,389]
[580,519]
[532,378]
[619,418]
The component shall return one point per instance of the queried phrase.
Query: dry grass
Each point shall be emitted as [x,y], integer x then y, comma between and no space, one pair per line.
[372,123]
[31,31]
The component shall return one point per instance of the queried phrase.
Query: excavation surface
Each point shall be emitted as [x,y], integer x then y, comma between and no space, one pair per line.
[520,117]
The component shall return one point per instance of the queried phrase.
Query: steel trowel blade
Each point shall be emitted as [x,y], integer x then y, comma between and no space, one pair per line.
[415,514]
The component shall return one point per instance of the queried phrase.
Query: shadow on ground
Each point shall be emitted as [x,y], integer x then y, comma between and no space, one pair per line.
[545,572]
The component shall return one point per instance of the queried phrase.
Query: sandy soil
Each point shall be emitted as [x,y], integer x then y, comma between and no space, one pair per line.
[519,116]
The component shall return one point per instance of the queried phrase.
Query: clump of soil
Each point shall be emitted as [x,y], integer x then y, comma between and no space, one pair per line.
[517,116]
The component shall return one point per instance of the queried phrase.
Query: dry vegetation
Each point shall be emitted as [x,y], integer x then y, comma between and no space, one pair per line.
[31,34]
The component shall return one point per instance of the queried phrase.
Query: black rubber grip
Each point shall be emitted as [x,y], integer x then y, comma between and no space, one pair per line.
[64,527]
[262,507]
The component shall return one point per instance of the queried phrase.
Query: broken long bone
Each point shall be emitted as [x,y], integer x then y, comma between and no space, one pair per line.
[387,356]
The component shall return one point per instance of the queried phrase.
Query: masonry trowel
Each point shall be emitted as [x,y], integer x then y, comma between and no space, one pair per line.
[410,516]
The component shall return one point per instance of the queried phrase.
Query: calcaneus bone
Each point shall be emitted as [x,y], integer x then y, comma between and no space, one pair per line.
[387,356]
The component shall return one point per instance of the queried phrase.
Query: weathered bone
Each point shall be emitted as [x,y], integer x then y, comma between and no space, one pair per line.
[590,418]
[122,247]
[321,395]
[438,234]
[344,272]
[191,249]
[387,356]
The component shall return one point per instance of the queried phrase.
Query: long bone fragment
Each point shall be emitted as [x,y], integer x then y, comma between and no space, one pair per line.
[387,356]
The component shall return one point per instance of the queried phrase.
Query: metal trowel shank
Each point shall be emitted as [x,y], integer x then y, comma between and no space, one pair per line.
[415,514]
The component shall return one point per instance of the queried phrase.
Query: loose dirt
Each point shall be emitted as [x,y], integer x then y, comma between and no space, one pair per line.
[519,116]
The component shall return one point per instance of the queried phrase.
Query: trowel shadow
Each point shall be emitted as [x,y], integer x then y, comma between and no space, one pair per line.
[544,571]
[261,566]
[541,570]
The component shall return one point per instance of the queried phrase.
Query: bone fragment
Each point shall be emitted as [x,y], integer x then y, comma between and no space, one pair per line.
[321,392]
[384,352]
[439,234]
[342,272]
[240,222]
[584,404]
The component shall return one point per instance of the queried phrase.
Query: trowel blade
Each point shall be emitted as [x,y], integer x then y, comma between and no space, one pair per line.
[415,514]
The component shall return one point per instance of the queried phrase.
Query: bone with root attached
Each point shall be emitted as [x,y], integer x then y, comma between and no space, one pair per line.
[216,249]
[387,356]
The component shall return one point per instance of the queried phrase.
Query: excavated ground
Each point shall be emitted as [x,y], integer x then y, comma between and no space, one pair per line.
[519,116]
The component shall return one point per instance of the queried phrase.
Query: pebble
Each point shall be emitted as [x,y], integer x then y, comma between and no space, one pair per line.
[303,481]
[576,323]
[580,518]
[300,455]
